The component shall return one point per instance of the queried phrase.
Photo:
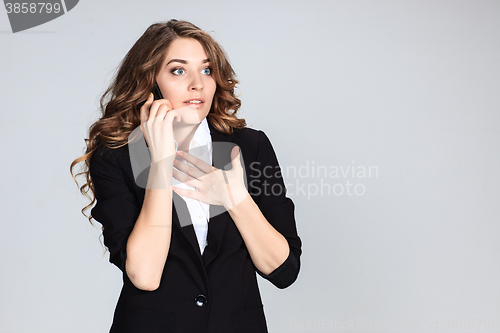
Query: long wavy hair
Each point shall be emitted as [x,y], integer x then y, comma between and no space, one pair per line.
[133,82]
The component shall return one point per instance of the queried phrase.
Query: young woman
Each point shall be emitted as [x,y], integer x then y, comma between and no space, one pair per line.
[191,230]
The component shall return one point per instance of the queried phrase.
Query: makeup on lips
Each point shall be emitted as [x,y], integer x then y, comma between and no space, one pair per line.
[195,102]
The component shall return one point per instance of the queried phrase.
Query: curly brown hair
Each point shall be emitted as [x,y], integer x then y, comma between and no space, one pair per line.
[133,82]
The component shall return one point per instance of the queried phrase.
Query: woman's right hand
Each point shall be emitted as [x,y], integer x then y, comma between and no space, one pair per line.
[157,118]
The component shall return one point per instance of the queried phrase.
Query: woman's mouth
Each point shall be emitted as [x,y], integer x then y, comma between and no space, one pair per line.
[196,102]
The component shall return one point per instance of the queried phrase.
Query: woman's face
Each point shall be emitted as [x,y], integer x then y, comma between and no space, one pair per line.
[185,76]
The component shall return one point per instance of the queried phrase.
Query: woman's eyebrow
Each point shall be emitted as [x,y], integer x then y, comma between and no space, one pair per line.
[182,61]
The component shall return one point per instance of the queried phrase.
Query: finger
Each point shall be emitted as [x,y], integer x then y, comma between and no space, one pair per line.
[145,134]
[161,112]
[188,193]
[188,170]
[172,115]
[144,115]
[145,108]
[186,179]
[156,105]
[235,157]
[200,164]
[189,114]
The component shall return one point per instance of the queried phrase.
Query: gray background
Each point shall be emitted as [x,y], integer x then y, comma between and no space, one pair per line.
[411,87]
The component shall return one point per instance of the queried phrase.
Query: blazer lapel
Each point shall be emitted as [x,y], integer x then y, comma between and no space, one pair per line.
[181,212]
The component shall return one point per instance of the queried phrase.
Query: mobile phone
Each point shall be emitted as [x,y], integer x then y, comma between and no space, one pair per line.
[156,95]
[156,92]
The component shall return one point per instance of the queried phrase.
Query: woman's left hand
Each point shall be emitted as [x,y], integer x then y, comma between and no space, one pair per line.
[215,186]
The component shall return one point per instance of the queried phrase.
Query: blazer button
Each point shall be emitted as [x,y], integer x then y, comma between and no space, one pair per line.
[200,300]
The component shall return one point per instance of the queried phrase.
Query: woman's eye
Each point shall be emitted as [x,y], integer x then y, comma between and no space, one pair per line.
[178,71]
[206,71]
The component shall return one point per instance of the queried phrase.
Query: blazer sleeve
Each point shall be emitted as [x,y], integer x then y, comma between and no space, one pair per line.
[269,193]
[117,208]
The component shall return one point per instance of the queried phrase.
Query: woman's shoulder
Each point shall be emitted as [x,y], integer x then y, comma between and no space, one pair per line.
[244,135]
[246,132]
[254,141]
[254,136]
[104,154]
[251,133]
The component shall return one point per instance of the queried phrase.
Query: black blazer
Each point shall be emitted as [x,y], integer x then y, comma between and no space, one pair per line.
[216,292]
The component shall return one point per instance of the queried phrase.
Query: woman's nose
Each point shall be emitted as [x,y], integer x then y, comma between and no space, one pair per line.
[196,83]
